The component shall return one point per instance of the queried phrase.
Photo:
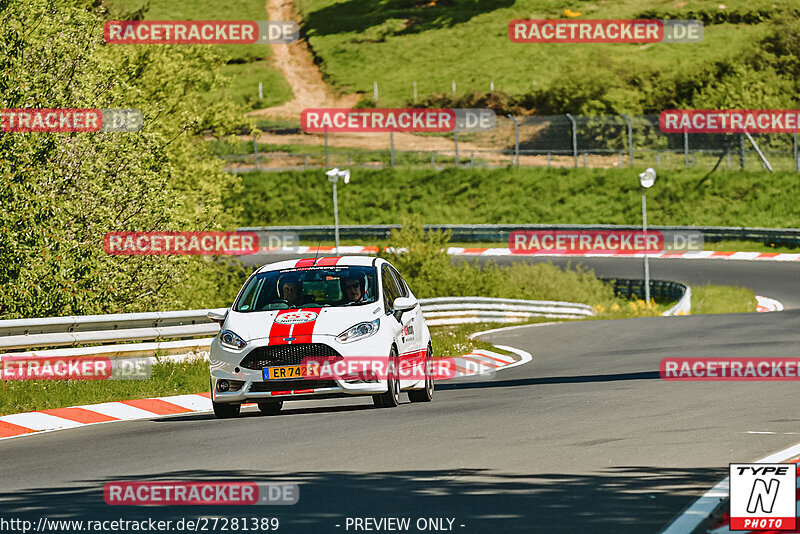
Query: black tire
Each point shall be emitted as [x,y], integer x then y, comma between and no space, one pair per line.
[391,398]
[270,408]
[425,394]
[226,410]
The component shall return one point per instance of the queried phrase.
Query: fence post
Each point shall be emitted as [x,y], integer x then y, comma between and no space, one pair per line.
[686,146]
[326,146]
[548,160]
[658,158]
[415,91]
[255,151]
[375,92]
[454,87]
[516,137]
[491,86]
[728,157]
[741,151]
[260,91]
[574,140]
[630,138]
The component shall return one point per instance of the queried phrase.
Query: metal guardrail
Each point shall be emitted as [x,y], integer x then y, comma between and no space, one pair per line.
[467,233]
[76,330]
[461,310]
[114,328]
[628,288]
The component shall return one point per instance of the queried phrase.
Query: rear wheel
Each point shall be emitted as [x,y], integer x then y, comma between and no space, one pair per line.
[391,398]
[425,394]
[270,408]
[226,410]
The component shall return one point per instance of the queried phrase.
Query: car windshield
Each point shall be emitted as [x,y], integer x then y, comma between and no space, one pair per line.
[308,288]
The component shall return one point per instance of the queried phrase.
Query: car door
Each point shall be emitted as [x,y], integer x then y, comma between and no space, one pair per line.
[411,333]
[399,323]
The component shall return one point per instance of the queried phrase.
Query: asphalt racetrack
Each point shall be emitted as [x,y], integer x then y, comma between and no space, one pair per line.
[586,437]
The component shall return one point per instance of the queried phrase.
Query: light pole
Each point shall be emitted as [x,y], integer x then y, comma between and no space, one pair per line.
[333,176]
[646,179]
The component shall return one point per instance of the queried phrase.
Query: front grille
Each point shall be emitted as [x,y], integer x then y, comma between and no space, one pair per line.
[273,355]
[289,385]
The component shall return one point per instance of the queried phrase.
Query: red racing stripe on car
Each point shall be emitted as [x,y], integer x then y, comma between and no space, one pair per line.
[328,261]
[278,331]
[305,262]
[304,331]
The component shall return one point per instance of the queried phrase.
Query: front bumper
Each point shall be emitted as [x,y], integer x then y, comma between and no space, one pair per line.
[248,385]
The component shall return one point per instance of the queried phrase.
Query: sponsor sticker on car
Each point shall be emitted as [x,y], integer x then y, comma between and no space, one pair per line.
[296,317]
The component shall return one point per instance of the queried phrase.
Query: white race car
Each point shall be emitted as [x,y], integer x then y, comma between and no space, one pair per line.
[321,327]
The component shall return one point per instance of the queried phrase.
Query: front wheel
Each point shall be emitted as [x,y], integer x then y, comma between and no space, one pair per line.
[426,394]
[226,410]
[391,398]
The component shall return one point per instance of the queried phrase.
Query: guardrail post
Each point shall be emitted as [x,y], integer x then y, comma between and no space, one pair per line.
[326,146]
[255,151]
[741,151]
[516,137]
[574,140]
[686,146]
[630,137]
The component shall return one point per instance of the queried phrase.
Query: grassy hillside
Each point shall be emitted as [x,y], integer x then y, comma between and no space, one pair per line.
[525,195]
[246,65]
[397,42]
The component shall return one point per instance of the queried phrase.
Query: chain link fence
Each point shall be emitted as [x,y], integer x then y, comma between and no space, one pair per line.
[605,141]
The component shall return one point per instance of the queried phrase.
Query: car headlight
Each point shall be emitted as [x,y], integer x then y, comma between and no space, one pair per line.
[230,340]
[359,331]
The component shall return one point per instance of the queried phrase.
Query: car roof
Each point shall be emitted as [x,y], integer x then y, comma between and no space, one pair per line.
[325,261]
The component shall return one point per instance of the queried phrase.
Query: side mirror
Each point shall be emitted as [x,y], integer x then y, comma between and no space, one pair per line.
[216,317]
[404,304]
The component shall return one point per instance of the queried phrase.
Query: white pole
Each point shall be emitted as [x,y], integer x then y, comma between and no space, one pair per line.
[415,91]
[375,91]
[646,263]
[260,91]
[454,87]
[335,217]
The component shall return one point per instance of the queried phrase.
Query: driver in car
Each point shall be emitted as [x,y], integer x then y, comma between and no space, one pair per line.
[291,290]
[352,289]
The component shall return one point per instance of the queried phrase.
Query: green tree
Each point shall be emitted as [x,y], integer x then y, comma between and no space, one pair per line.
[61,192]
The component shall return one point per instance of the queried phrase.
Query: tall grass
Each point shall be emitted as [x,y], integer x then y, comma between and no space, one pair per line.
[525,195]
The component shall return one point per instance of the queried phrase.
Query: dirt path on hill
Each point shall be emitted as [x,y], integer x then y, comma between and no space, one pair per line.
[297,66]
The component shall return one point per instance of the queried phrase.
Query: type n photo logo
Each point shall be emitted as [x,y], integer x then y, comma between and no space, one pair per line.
[763,496]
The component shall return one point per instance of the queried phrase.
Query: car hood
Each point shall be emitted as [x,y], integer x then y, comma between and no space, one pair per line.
[303,322]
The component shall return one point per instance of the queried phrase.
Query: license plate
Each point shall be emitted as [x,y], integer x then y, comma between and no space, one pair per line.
[289,371]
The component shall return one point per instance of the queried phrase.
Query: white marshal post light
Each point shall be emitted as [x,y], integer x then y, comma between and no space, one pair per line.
[333,176]
[646,179]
